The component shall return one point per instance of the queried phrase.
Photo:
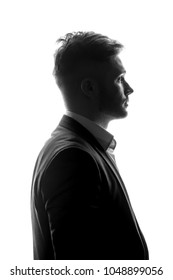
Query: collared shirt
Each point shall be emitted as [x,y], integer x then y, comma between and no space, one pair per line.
[105,139]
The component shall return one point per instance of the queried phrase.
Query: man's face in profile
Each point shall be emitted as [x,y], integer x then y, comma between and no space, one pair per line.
[114,90]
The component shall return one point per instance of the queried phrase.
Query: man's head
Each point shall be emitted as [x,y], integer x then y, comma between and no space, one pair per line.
[90,75]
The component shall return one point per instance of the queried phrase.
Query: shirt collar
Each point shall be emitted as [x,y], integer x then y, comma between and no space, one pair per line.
[105,139]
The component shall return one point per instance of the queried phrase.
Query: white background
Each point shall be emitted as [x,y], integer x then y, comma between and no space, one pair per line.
[31,107]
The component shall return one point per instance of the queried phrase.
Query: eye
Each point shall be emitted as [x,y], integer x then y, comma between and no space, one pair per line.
[120,79]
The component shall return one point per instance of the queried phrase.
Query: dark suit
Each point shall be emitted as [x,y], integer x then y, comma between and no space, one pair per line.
[80,207]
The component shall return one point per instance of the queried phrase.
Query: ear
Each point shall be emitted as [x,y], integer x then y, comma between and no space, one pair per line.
[89,87]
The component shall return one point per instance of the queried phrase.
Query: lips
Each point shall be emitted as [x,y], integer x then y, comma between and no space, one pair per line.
[126,102]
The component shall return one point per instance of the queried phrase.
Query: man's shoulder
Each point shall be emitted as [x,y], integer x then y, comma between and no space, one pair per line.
[64,141]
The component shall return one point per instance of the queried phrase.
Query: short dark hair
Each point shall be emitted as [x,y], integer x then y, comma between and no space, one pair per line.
[82,46]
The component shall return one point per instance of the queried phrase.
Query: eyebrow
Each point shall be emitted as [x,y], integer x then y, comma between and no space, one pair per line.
[122,73]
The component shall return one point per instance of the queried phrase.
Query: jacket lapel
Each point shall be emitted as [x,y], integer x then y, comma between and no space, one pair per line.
[113,167]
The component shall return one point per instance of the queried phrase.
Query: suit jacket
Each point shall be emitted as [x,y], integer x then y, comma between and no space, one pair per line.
[79,205]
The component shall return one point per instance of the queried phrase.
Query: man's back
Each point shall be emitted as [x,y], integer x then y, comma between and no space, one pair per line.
[80,208]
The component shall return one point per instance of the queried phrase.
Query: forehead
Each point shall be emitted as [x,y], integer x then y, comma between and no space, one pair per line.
[99,69]
[116,65]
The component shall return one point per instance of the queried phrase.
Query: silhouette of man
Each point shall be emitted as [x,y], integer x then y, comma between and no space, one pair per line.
[80,206]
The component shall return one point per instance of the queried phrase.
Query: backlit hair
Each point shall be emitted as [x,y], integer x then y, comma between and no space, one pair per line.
[80,47]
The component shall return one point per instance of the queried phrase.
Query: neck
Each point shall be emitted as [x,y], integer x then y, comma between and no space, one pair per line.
[101,121]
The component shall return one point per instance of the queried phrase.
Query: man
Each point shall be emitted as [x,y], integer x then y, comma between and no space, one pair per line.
[80,207]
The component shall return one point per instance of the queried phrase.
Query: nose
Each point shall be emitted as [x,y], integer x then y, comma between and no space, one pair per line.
[128,89]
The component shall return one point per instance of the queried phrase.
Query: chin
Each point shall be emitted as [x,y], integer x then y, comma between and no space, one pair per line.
[120,115]
[113,115]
